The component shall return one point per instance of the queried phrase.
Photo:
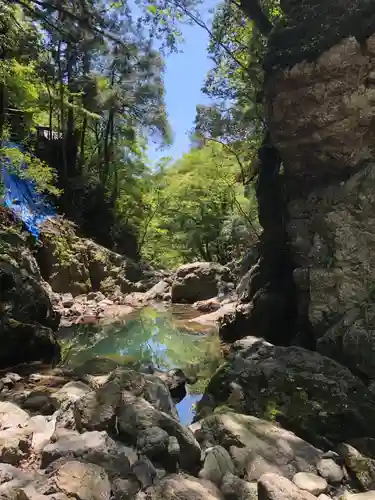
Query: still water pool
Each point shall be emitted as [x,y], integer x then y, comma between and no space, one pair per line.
[163,339]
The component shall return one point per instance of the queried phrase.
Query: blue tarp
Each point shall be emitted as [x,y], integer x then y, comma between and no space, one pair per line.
[21,196]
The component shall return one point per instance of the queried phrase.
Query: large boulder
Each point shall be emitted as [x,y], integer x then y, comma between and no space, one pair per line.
[200,281]
[77,265]
[22,343]
[139,409]
[257,446]
[275,487]
[92,447]
[312,395]
[27,317]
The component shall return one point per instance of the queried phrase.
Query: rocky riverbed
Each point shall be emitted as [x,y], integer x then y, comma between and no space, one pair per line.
[117,436]
[274,422]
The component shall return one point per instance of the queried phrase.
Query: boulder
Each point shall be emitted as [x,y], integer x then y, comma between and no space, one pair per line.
[257,446]
[124,489]
[39,402]
[158,291]
[274,487]
[14,446]
[94,447]
[12,416]
[330,470]
[234,488]
[360,466]
[25,296]
[217,463]
[182,487]
[318,399]
[212,319]
[207,306]
[81,481]
[130,404]
[136,414]
[310,482]
[12,480]
[200,281]
[25,342]
[145,472]
[70,392]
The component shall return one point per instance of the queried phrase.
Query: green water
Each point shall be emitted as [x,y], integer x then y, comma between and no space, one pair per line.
[162,339]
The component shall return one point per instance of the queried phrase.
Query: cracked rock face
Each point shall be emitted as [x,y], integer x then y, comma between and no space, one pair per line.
[321,114]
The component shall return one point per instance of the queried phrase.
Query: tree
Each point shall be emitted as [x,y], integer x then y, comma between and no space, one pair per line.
[201,212]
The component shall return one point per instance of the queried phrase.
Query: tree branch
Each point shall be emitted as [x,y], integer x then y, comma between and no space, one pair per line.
[254,11]
[203,25]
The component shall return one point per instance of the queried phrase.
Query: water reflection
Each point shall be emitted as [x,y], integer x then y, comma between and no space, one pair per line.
[150,337]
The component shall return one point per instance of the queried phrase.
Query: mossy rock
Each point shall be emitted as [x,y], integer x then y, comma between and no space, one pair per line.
[23,343]
[311,27]
[315,397]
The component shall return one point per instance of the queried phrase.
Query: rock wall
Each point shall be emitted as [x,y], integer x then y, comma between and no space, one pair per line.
[320,107]
[321,119]
[27,317]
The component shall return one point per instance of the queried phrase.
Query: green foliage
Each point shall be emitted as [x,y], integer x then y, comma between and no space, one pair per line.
[198,210]
[88,72]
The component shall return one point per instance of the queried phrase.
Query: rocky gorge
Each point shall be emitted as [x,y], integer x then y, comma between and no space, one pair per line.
[289,414]
[274,422]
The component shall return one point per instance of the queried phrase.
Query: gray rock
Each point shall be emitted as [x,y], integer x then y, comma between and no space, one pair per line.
[145,472]
[158,291]
[10,379]
[94,447]
[301,389]
[82,481]
[330,470]
[367,495]
[39,401]
[42,429]
[30,493]
[11,479]
[136,414]
[310,482]
[152,442]
[217,463]
[129,404]
[323,496]
[70,392]
[174,449]
[362,467]
[234,488]
[275,487]
[14,445]
[257,446]
[125,489]
[199,281]
[67,300]
[182,487]
[11,415]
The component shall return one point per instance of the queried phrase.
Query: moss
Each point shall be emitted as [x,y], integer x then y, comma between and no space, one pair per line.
[312,27]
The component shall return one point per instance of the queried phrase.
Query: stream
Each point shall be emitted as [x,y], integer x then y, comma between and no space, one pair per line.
[154,336]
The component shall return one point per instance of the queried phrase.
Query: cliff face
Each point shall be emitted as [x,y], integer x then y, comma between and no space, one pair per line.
[320,106]
[321,116]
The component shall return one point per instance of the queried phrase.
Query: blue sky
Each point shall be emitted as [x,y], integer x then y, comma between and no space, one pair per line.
[184,77]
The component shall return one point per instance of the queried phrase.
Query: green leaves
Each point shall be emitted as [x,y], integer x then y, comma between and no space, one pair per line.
[199,210]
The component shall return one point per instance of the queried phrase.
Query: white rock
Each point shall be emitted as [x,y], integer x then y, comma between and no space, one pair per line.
[310,482]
